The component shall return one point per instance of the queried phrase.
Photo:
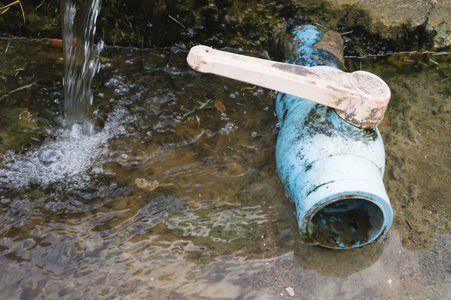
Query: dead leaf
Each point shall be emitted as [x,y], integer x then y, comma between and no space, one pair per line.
[27,120]
[219,106]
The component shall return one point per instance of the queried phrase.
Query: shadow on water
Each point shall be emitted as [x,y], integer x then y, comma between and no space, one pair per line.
[178,195]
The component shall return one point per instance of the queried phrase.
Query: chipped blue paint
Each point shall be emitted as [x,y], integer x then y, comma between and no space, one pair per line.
[332,170]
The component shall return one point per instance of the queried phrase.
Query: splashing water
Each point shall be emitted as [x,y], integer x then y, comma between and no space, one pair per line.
[80,63]
[71,157]
[68,157]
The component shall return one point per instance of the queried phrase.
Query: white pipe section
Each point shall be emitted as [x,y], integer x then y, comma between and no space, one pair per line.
[360,97]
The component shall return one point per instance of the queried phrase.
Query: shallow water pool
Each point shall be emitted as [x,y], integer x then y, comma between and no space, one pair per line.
[176,195]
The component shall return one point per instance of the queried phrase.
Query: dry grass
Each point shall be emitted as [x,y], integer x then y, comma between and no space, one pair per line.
[6,7]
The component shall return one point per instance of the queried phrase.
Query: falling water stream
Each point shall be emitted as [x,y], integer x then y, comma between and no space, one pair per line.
[70,154]
[80,61]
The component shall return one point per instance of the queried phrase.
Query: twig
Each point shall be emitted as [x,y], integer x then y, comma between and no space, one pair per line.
[40,4]
[434,61]
[21,8]
[18,89]
[177,21]
[408,224]
[7,46]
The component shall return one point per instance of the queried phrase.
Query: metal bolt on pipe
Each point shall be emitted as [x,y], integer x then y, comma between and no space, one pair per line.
[329,154]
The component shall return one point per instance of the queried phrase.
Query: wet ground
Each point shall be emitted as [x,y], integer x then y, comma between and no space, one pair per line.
[177,194]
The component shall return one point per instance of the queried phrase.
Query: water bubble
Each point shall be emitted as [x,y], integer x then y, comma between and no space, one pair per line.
[112,82]
[120,91]
[259,92]
[106,65]
[228,128]
[49,156]
[224,117]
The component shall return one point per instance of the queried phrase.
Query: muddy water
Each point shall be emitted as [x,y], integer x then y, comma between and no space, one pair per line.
[177,195]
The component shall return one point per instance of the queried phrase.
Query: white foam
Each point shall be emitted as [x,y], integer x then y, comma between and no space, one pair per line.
[69,158]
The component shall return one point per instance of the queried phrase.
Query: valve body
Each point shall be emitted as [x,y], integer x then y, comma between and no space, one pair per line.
[332,170]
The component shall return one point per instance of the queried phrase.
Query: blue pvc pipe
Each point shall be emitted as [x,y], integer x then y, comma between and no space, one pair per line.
[332,170]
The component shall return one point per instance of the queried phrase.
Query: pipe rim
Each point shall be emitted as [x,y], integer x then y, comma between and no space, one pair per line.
[375,200]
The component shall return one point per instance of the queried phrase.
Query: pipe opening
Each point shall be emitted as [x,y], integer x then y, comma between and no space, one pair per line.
[347,223]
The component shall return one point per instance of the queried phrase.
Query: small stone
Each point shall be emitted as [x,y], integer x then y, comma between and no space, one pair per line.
[150,185]
[290,291]
[389,281]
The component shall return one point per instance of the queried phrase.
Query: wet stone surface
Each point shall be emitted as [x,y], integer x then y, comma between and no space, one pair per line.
[377,26]
[430,15]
